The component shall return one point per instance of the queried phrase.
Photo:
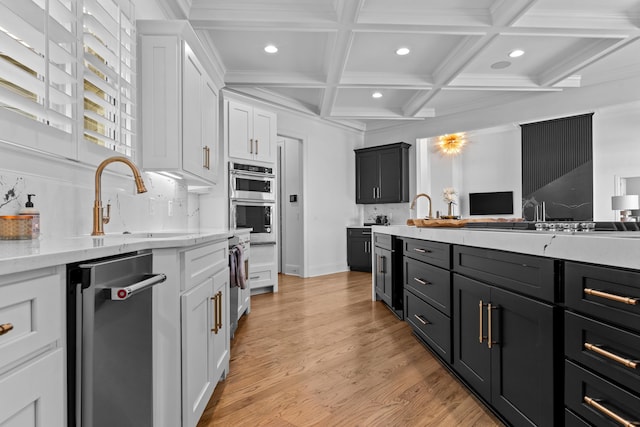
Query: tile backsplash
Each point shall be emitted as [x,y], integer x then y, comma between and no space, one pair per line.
[65,193]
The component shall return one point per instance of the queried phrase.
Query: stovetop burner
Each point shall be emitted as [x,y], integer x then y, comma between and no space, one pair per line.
[557,226]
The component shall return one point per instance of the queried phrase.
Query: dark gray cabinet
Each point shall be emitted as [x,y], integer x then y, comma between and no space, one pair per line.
[359,248]
[602,344]
[384,274]
[382,174]
[386,268]
[427,293]
[504,350]
[503,341]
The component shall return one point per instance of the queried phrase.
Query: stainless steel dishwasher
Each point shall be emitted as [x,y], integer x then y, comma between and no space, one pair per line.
[109,357]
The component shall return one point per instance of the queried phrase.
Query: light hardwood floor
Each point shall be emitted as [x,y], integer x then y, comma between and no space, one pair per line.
[321,353]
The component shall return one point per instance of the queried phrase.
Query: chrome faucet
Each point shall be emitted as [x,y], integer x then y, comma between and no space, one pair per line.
[98,212]
[413,203]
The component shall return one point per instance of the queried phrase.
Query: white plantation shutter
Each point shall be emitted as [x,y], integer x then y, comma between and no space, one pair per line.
[38,60]
[109,74]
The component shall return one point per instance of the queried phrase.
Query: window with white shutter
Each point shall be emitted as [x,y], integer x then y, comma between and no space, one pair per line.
[109,66]
[38,61]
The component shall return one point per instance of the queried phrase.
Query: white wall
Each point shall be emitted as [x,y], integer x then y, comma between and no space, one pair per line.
[328,187]
[492,158]
[616,152]
[290,168]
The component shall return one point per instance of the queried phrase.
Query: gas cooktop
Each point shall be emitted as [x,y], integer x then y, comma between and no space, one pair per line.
[578,226]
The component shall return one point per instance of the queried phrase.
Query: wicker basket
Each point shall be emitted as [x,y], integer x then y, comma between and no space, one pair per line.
[16,227]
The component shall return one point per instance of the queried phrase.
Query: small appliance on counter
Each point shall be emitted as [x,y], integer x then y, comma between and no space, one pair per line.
[378,220]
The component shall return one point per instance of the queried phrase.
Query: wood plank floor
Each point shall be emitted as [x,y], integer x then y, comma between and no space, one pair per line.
[321,353]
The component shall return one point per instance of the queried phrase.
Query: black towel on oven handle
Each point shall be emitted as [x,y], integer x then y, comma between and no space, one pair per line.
[236,267]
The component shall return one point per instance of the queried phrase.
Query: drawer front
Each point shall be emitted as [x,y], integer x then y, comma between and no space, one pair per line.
[430,283]
[597,400]
[359,232]
[203,262]
[34,394]
[526,274]
[607,350]
[432,326]
[435,253]
[572,420]
[32,305]
[608,293]
[382,240]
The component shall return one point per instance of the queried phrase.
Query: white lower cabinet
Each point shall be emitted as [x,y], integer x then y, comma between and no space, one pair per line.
[33,394]
[32,367]
[199,315]
[205,327]
[191,335]
[263,269]
[221,334]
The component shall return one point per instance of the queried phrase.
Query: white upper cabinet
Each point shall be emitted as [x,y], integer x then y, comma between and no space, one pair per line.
[179,102]
[251,133]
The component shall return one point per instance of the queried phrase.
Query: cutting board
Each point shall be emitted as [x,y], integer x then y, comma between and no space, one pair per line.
[452,223]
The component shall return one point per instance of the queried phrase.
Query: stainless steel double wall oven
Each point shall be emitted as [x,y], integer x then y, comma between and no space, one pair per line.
[252,200]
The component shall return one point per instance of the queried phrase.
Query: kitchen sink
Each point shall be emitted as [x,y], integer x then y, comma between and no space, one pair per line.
[141,235]
[153,234]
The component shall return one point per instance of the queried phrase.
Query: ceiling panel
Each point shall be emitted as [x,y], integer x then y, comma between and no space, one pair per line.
[377,52]
[299,52]
[334,53]
[541,53]
[430,12]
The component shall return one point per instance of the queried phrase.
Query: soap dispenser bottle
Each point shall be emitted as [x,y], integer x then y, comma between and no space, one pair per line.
[35,221]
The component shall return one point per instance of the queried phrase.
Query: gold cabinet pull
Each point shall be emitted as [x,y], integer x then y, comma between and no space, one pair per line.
[383,264]
[422,282]
[490,341]
[251,146]
[421,320]
[215,314]
[421,251]
[608,412]
[481,336]
[219,325]
[5,328]
[207,157]
[257,147]
[612,297]
[597,349]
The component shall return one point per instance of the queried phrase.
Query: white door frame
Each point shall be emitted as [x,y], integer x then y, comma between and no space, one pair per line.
[301,197]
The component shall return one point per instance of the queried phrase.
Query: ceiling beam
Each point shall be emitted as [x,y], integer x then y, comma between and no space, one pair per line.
[453,65]
[508,12]
[255,78]
[337,59]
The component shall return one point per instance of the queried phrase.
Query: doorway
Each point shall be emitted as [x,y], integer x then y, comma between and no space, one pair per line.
[290,254]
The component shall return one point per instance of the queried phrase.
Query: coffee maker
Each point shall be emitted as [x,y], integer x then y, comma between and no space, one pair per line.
[382,220]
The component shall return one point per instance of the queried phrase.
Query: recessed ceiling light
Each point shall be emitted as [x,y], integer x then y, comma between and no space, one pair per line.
[403,51]
[270,49]
[376,95]
[516,53]
[500,65]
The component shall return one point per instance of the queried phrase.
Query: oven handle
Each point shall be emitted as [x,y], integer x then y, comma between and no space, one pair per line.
[232,217]
[123,293]
[265,176]
[263,243]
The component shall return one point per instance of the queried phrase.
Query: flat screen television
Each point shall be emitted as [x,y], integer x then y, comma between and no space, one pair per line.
[497,202]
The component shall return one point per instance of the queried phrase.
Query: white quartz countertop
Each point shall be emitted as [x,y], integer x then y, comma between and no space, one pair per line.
[617,249]
[24,255]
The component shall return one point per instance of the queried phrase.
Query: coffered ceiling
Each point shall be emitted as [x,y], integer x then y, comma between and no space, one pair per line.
[334,54]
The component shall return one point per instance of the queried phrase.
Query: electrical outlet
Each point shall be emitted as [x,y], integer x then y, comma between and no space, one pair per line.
[152,210]
[170,208]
